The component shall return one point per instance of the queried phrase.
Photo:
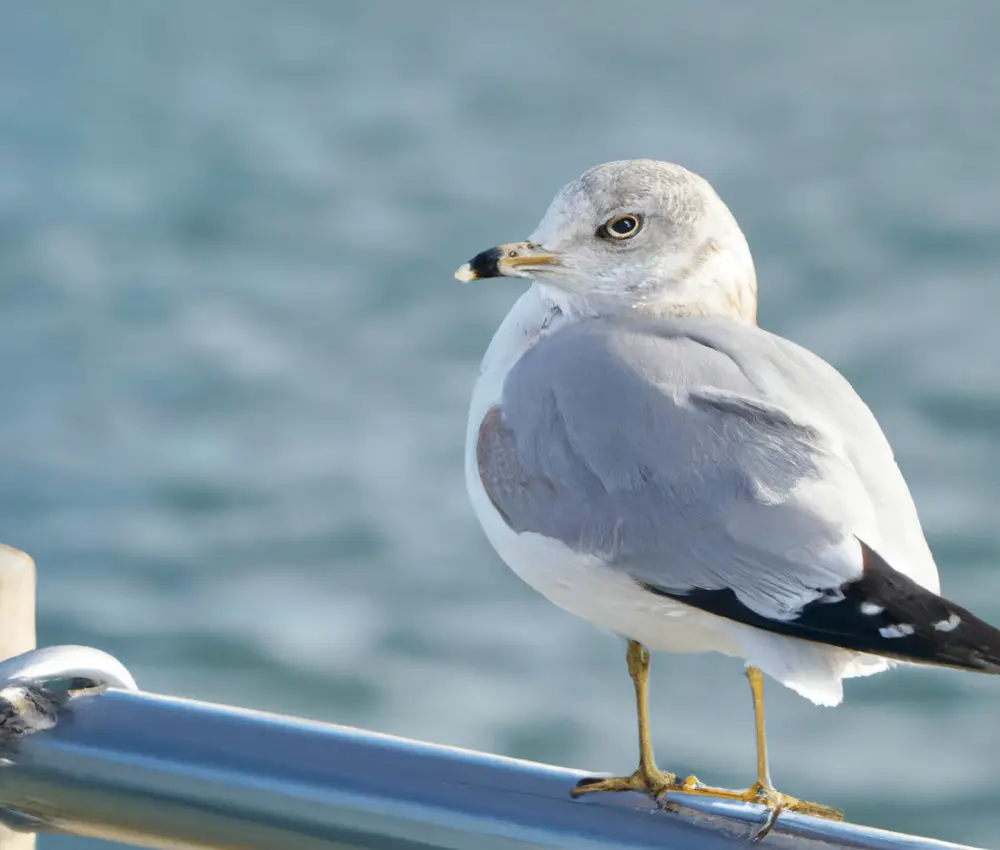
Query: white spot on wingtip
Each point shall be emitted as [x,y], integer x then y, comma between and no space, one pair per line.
[871,609]
[900,630]
[948,625]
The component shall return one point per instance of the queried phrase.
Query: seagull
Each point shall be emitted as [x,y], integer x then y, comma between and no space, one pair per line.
[644,455]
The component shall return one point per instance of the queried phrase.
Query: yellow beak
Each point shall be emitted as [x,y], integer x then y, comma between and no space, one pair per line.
[515,259]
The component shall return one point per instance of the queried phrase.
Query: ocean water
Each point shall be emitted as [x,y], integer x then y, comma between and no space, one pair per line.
[235,367]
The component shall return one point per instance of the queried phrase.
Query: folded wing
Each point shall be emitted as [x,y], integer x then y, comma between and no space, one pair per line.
[718,465]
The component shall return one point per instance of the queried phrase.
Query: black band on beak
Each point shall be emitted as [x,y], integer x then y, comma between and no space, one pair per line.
[486,264]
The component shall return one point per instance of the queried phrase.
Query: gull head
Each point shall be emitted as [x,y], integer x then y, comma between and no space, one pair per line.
[634,235]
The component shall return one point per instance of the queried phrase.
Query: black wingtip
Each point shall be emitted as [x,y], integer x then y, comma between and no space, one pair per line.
[881,613]
[930,629]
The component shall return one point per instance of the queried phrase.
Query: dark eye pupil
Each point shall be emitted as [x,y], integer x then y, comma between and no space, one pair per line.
[623,226]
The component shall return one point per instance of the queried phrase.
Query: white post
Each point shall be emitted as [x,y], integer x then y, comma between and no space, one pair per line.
[17,635]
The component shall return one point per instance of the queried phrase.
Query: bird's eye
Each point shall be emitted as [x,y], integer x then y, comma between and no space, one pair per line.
[620,227]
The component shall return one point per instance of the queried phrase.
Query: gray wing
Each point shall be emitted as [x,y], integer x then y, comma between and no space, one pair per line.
[715,463]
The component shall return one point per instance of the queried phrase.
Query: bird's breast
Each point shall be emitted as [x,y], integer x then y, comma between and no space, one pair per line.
[578,583]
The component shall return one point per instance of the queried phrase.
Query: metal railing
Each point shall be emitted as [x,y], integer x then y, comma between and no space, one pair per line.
[83,752]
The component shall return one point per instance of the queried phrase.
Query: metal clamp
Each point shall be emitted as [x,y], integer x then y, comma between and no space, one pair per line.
[35,685]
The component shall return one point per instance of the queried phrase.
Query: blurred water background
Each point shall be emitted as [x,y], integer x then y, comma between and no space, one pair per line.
[235,368]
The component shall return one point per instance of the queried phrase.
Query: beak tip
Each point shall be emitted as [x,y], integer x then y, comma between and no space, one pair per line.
[465,274]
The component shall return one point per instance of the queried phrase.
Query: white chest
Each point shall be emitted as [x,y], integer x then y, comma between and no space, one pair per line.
[577,583]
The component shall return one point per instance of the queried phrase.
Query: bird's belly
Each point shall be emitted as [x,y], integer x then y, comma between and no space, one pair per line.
[578,583]
[603,595]
[585,586]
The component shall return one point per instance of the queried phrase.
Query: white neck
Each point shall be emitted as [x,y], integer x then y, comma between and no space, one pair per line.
[720,285]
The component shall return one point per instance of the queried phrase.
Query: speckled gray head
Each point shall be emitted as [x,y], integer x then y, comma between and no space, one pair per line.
[635,234]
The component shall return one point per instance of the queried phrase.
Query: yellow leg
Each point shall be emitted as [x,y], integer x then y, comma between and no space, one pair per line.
[756,679]
[647,778]
[762,791]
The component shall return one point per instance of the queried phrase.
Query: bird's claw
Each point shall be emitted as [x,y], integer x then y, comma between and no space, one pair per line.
[657,783]
[774,801]
[653,782]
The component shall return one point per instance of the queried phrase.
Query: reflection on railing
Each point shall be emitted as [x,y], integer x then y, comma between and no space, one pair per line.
[84,752]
